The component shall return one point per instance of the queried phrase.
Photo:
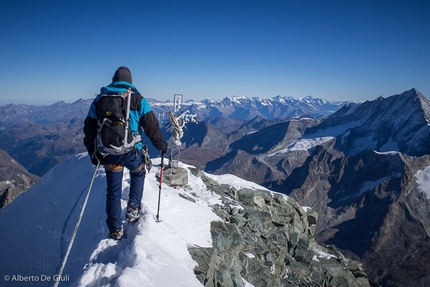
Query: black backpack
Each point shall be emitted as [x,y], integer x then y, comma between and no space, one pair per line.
[113,133]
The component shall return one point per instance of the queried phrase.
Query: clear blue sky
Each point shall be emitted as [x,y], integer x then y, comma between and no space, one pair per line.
[335,50]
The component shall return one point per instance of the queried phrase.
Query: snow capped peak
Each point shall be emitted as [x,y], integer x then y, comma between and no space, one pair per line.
[396,123]
[238,98]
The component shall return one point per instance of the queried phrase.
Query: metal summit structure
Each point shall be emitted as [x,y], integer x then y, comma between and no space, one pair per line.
[178,118]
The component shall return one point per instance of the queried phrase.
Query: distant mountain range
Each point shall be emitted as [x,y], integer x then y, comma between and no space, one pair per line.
[52,133]
[230,107]
[14,114]
[249,108]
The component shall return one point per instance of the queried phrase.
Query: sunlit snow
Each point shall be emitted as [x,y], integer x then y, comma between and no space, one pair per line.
[322,255]
[304,144]
[423,181]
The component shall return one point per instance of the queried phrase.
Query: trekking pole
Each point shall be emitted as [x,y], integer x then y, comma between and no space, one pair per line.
[69,248]
[159,190]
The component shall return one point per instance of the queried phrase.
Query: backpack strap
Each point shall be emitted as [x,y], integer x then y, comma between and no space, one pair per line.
[127,114]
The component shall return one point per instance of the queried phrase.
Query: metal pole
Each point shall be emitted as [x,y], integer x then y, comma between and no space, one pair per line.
[159,190]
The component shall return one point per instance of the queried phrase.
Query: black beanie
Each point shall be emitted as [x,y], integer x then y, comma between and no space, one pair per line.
[122,74]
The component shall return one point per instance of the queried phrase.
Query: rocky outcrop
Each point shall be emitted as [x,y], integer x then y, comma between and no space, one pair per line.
[14,179]
[267,239]
[174,176]
[12,188]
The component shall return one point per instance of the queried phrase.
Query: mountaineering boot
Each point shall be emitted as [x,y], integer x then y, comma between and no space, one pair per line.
[116,235]
[132,214]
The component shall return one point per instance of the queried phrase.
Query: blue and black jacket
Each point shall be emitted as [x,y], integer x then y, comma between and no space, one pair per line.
[142,118]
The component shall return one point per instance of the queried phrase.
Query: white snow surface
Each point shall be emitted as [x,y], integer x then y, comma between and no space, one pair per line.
[387,152]
[310,141]
[302,144]
[324,255]
[423,180]
[36,228]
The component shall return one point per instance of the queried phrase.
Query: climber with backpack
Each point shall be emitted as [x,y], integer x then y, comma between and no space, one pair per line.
[117,118]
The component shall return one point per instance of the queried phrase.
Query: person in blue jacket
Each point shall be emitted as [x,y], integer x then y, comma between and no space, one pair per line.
[142,120]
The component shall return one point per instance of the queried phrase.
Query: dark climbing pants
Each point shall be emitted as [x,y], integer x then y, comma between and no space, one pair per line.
[114,172]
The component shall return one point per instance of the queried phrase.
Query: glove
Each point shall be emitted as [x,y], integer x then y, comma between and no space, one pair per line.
[146,159]
[165,148]
[97,157]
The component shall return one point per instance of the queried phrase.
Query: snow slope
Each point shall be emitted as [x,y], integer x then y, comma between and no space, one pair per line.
[36,229]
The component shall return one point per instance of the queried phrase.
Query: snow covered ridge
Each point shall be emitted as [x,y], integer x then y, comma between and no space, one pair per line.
[220,230]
